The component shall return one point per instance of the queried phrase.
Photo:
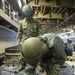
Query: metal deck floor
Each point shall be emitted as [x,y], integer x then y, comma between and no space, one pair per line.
[65,70]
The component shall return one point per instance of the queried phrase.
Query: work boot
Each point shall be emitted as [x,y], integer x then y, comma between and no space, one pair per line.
[21,67]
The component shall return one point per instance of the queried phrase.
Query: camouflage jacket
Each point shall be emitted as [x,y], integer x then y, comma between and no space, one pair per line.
[29,28]
[56,46]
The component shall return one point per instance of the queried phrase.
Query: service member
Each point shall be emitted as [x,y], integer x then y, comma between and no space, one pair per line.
[29,27]
[46,51]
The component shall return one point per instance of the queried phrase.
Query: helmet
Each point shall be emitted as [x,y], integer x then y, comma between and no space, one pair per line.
[69,40]
[27,11]
[33,48]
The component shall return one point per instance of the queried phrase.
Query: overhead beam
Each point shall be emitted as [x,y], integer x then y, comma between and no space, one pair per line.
[63,21]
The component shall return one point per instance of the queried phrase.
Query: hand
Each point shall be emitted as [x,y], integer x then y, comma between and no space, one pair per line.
[44,73]
[20,43]
[39,68]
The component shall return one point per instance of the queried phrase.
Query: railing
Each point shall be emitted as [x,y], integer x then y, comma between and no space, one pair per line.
[12,55]
[7,9]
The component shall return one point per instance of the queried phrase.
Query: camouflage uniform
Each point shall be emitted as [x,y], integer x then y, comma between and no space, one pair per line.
[53,58]
[27,29]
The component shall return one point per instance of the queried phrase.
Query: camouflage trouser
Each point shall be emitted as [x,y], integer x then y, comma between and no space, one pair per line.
[22,61]
[54,70]
[29,70]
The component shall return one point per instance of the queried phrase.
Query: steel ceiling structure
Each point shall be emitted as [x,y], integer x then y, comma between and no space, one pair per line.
[58,15]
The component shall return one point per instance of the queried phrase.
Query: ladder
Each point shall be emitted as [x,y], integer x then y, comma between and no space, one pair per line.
[12,55]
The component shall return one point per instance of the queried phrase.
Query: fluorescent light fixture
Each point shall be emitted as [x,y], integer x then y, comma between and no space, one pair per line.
[19,2]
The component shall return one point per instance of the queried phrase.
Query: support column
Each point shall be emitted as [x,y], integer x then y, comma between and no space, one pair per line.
[1,73]
[36,1]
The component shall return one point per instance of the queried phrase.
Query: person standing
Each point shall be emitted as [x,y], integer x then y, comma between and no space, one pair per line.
[29,27]
[69,47]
